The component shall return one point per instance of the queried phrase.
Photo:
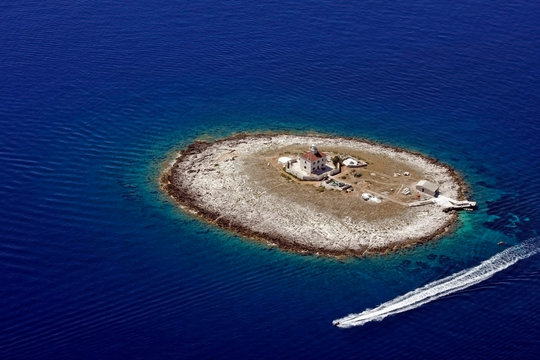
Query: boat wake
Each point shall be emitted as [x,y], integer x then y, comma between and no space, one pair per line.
[443,287]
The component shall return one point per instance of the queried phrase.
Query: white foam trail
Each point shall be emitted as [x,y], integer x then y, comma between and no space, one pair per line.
[443,287]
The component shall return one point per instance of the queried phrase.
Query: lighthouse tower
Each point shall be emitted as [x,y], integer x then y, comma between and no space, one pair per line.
[313,160]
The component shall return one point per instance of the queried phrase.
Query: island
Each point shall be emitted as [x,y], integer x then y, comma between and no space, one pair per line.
[317,194]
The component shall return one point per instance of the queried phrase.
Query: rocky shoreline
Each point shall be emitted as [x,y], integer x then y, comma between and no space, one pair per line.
[214,180]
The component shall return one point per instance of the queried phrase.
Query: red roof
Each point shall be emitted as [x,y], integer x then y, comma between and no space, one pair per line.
[311,156]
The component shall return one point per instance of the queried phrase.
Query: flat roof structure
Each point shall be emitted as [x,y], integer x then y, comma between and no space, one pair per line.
[284,159]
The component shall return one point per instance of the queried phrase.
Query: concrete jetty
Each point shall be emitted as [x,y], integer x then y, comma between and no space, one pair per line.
[446,203]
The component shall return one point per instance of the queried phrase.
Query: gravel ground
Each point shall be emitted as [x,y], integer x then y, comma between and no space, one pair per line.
[226,183]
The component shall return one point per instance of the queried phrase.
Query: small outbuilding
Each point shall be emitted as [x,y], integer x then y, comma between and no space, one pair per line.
[353,163]
[427,187]
[284,160]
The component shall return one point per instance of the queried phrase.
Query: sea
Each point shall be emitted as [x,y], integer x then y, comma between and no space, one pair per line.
[97,97]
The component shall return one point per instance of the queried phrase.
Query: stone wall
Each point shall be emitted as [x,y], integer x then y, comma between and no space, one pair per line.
[312,177]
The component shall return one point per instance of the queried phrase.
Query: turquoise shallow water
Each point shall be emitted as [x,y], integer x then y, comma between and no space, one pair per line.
[97,263]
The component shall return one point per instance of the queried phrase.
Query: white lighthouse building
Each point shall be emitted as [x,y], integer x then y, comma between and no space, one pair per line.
[313,160]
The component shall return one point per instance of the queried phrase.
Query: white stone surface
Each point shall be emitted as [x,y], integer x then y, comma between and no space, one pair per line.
[226,189]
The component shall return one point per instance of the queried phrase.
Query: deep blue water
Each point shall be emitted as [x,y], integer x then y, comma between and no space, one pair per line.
[96,96]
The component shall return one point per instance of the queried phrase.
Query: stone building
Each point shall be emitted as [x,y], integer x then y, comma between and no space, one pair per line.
[313,160]
[427,187]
